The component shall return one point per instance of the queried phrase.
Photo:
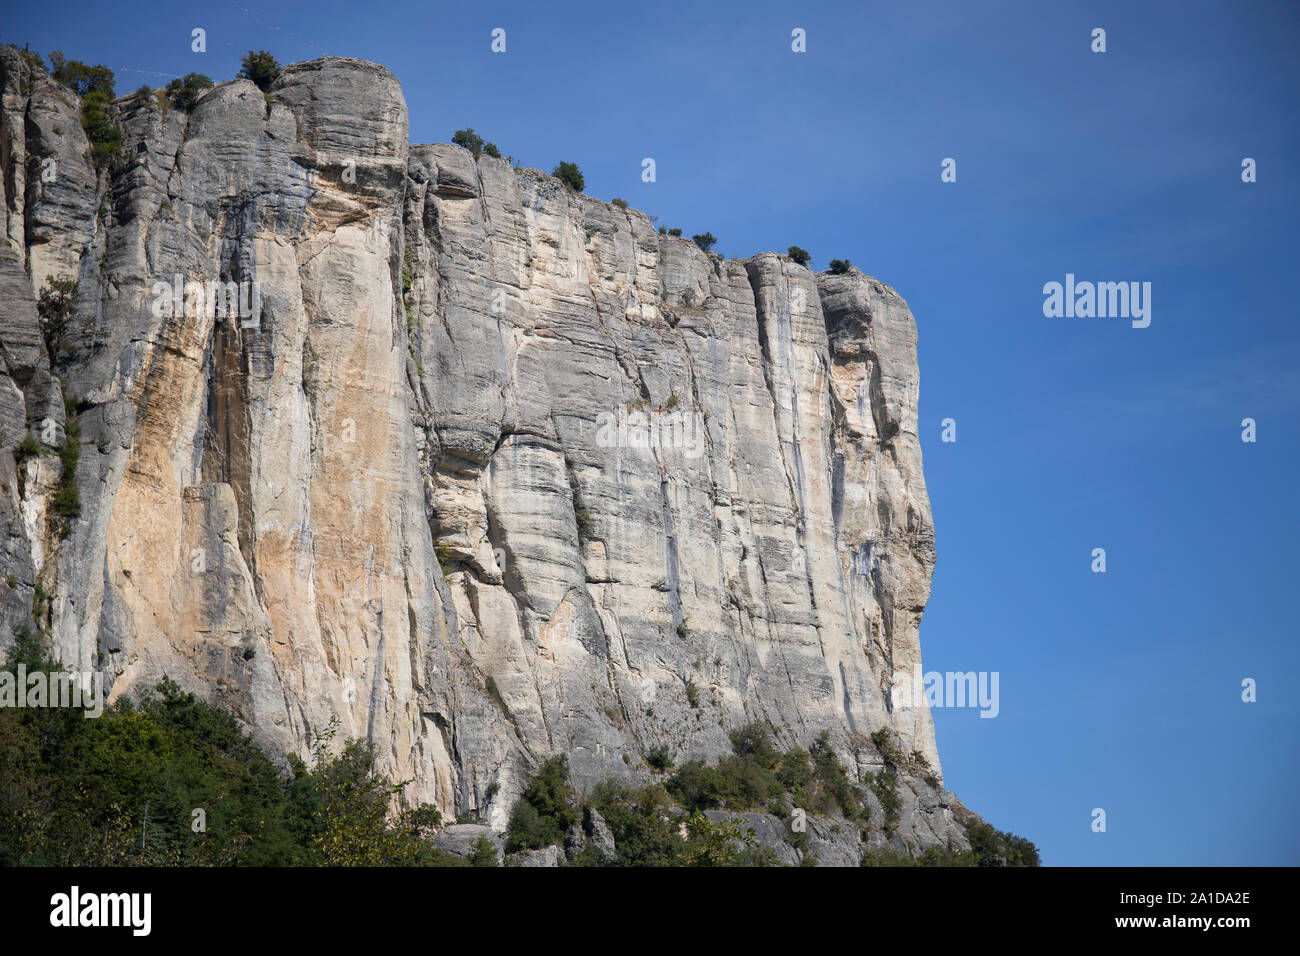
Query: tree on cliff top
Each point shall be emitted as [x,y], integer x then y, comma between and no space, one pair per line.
[570,175]
[260,67]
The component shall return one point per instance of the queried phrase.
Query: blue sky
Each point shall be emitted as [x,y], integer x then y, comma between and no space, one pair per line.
[1118,690]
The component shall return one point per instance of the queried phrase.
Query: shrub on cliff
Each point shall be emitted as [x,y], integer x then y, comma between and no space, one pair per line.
[55,307]
[801,256]
[469,140]
[546,809]
[94,84]
[121,790]
[840,266]
[260,67]
[184,93]
[570,175]
[97,120]
[705,241]
[82,78]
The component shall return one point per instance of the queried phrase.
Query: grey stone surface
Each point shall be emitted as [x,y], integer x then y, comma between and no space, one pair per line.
[408,501]
[459,838]
[546,856]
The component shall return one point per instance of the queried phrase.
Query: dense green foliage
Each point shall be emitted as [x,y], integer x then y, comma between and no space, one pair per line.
[801,256]
[184,93]
[474,143]
[260,67]
[546,809]
[705,241]
[570,175]
[167,779]
[67,500]
[758,777]
[94,84]
[56,306]
[840,266]
[82,78]
[122,790]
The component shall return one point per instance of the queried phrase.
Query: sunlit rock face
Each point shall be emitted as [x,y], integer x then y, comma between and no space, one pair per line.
[486,469]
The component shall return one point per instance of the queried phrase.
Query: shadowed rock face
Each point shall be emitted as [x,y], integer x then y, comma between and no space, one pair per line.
[411,490]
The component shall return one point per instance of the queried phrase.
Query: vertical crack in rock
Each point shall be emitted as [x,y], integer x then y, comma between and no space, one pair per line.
[437,411]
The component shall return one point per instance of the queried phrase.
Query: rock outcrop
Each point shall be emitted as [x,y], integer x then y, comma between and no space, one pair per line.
[407,483]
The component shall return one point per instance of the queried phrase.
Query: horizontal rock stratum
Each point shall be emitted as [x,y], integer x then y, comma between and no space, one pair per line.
[409,490]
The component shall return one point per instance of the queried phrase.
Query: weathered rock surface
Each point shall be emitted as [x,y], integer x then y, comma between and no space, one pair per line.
[394,494]
[460,838]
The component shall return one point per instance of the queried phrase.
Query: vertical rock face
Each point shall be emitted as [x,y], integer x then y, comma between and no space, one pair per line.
[490,470]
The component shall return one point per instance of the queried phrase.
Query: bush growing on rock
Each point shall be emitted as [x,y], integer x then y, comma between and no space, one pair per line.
[570,175]
[801,256]
[94,84]
[546,809]
[468,139]
[705,241]
[55,307]
[260,67]
[184,93]
[82,78]
[840,266]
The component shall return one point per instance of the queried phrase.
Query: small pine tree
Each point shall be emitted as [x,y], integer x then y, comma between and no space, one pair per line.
[706,241]
[56,306]
[801,256]
[570,175]
[840,266]
[184,93]
[470,140]
[260,67]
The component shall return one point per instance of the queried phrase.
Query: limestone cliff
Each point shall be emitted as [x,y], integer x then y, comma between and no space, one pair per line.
[412,487]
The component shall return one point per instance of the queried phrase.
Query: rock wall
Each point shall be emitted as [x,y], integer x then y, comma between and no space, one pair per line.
[410,488]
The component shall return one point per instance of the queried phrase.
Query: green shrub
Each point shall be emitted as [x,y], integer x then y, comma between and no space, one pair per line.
[491,150]
[583,519]
[570,175]
[801,256]
[33,60]
[674,232]
[120,790]
[483,852]
[620,203]
[840,266]
[82,78]
[470,140]
[645,831]
[67,500]
[658,759]
[705,241]
[97,120]
[260,67]
[885,786]
[546,809]
[27,449]
[184,93]
[692,694]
